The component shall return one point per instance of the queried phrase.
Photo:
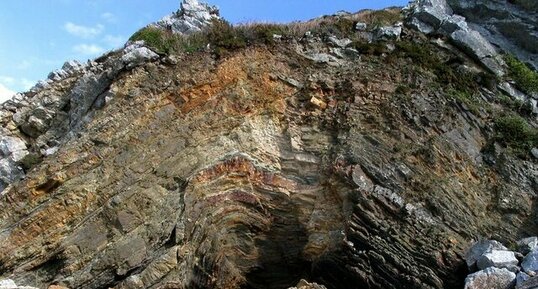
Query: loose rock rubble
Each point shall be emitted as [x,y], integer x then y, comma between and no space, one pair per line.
[499,268]
[388,32]
[491,278]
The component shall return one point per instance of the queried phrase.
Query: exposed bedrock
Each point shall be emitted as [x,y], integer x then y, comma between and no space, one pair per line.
[475,25]
[511,25]
[260,169]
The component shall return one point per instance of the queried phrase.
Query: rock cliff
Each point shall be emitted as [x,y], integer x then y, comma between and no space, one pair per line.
[349,151]
[510,25]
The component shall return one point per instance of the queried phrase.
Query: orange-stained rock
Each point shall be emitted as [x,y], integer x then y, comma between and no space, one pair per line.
[262,167]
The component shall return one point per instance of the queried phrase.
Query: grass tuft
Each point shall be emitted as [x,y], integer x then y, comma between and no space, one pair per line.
[514,132]
[526,79]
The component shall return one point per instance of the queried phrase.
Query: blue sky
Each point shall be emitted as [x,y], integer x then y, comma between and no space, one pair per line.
[38,36]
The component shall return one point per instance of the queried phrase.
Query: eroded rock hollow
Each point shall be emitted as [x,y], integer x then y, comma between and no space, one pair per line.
[351,164]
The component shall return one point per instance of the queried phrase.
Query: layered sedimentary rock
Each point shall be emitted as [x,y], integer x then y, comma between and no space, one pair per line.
[37,123]
[301,160]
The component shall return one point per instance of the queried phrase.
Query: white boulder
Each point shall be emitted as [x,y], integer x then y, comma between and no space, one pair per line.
[491,278]
[497,258]
[479,248]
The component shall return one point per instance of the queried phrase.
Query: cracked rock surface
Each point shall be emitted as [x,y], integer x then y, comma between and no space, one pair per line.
[191,17]
[304,164]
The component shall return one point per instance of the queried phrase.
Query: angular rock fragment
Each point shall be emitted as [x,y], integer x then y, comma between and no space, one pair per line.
[436,16]
[342,43]
[497,258]
[136,55]
[491,278]
[530,283]
[68,69]
[479,248]
[530,262]
[361,26]
[12,147]
[521,278]
[474,44]
[534,152]
[388,32]
[509,25]
[527,245]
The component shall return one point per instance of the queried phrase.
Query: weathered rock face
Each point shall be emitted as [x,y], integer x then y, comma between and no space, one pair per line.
[190,18]
[274,164]
[511,25]
[491,278]
[38,123]
[436,17]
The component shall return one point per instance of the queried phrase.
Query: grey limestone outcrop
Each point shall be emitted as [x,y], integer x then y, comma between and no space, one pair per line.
[190,18]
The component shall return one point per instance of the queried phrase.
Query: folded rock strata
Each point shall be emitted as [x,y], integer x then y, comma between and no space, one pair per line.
[256,170]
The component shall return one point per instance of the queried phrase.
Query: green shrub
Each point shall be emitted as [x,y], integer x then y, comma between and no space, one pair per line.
[166,42]
[340,27]
[514,132]
[221,35]
[265,32]
[224,37]
[155,38]
[472,103]
[192,43]
[374,48]
[526,79]
[488,80]
[521,107]
[422,54]
[509,102]
[418,52]
[344,26]
[385,17]
[30,160]
[262,33]
[403,89]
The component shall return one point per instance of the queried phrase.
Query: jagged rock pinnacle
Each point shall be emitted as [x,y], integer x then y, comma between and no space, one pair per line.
[191,17]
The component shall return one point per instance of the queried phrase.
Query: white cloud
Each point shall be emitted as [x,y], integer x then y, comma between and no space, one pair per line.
[27,83]
[114,41]
[109,17]
[88,49]
[25,64]
[5,93]
[83,31]
[22,84]
[7,80]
